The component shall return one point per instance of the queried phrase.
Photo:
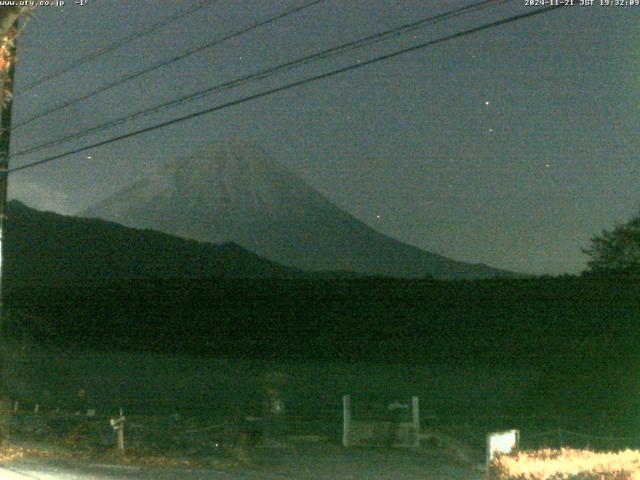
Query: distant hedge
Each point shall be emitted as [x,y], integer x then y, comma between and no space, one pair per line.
[551,321]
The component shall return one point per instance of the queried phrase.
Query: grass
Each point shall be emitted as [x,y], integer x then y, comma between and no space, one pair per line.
[8,454]
[147,458]
[129,457]
[150,441]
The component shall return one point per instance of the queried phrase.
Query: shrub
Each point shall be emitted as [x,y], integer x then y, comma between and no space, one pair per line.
[566,464]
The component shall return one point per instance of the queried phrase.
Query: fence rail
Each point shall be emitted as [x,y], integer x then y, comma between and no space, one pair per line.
[206,428]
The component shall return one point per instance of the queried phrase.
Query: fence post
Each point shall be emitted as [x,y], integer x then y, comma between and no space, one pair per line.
[415,411]
[488,450]
[121,439]
[118,426]
[121,432]
[346,420]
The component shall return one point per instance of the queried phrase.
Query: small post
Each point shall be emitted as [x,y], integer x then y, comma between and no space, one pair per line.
[16,406]
[121,432]
[415,411]
[489,453]
[118,427]
[36,409]
[346,420]
[7,72]
[121,439]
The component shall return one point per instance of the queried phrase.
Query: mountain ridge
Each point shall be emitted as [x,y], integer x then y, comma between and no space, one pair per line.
[46,245]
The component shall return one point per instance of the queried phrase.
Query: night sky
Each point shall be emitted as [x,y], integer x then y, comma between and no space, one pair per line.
[510,147]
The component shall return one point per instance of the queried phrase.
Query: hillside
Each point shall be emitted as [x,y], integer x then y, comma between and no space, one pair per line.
[45,246]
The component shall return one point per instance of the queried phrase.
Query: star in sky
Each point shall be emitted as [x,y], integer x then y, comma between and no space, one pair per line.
[482,65]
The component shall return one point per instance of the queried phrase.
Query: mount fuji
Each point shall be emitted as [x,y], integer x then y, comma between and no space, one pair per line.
[232,191]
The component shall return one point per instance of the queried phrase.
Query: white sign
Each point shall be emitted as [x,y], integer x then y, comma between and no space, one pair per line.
[501,442]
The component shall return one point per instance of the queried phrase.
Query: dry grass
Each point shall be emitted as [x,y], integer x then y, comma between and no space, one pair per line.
[130,457]
[140,457]
[566,464]
[8,454]
[150,442]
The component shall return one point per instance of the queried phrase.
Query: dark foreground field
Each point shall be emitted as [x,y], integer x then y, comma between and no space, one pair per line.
[310,463]
[177,406]
[554,358]
[189,399]
[175,385]
[543,347]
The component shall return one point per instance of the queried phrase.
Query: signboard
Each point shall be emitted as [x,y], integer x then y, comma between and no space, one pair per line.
[501,442]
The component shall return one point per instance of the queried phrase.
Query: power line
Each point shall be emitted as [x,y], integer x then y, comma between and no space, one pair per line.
[298,83]
[114,46]
[164,63]
[268,72]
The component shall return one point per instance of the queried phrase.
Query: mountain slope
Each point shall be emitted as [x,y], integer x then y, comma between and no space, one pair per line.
[45,246]
[233,191]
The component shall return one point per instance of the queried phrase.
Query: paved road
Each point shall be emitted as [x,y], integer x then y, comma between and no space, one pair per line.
[62,471]
[318,463]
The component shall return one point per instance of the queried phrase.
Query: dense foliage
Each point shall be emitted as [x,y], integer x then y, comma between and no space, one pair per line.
[499,320]
[567,464]
[616,251]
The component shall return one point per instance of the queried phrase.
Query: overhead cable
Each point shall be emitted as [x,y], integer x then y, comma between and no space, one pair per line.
[288,86]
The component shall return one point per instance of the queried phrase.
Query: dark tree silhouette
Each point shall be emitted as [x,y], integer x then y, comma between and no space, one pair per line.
[616,251]
[8,15]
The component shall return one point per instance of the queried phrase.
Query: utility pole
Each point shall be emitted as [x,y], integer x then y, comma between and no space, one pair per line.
[8,61]
[7,73]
